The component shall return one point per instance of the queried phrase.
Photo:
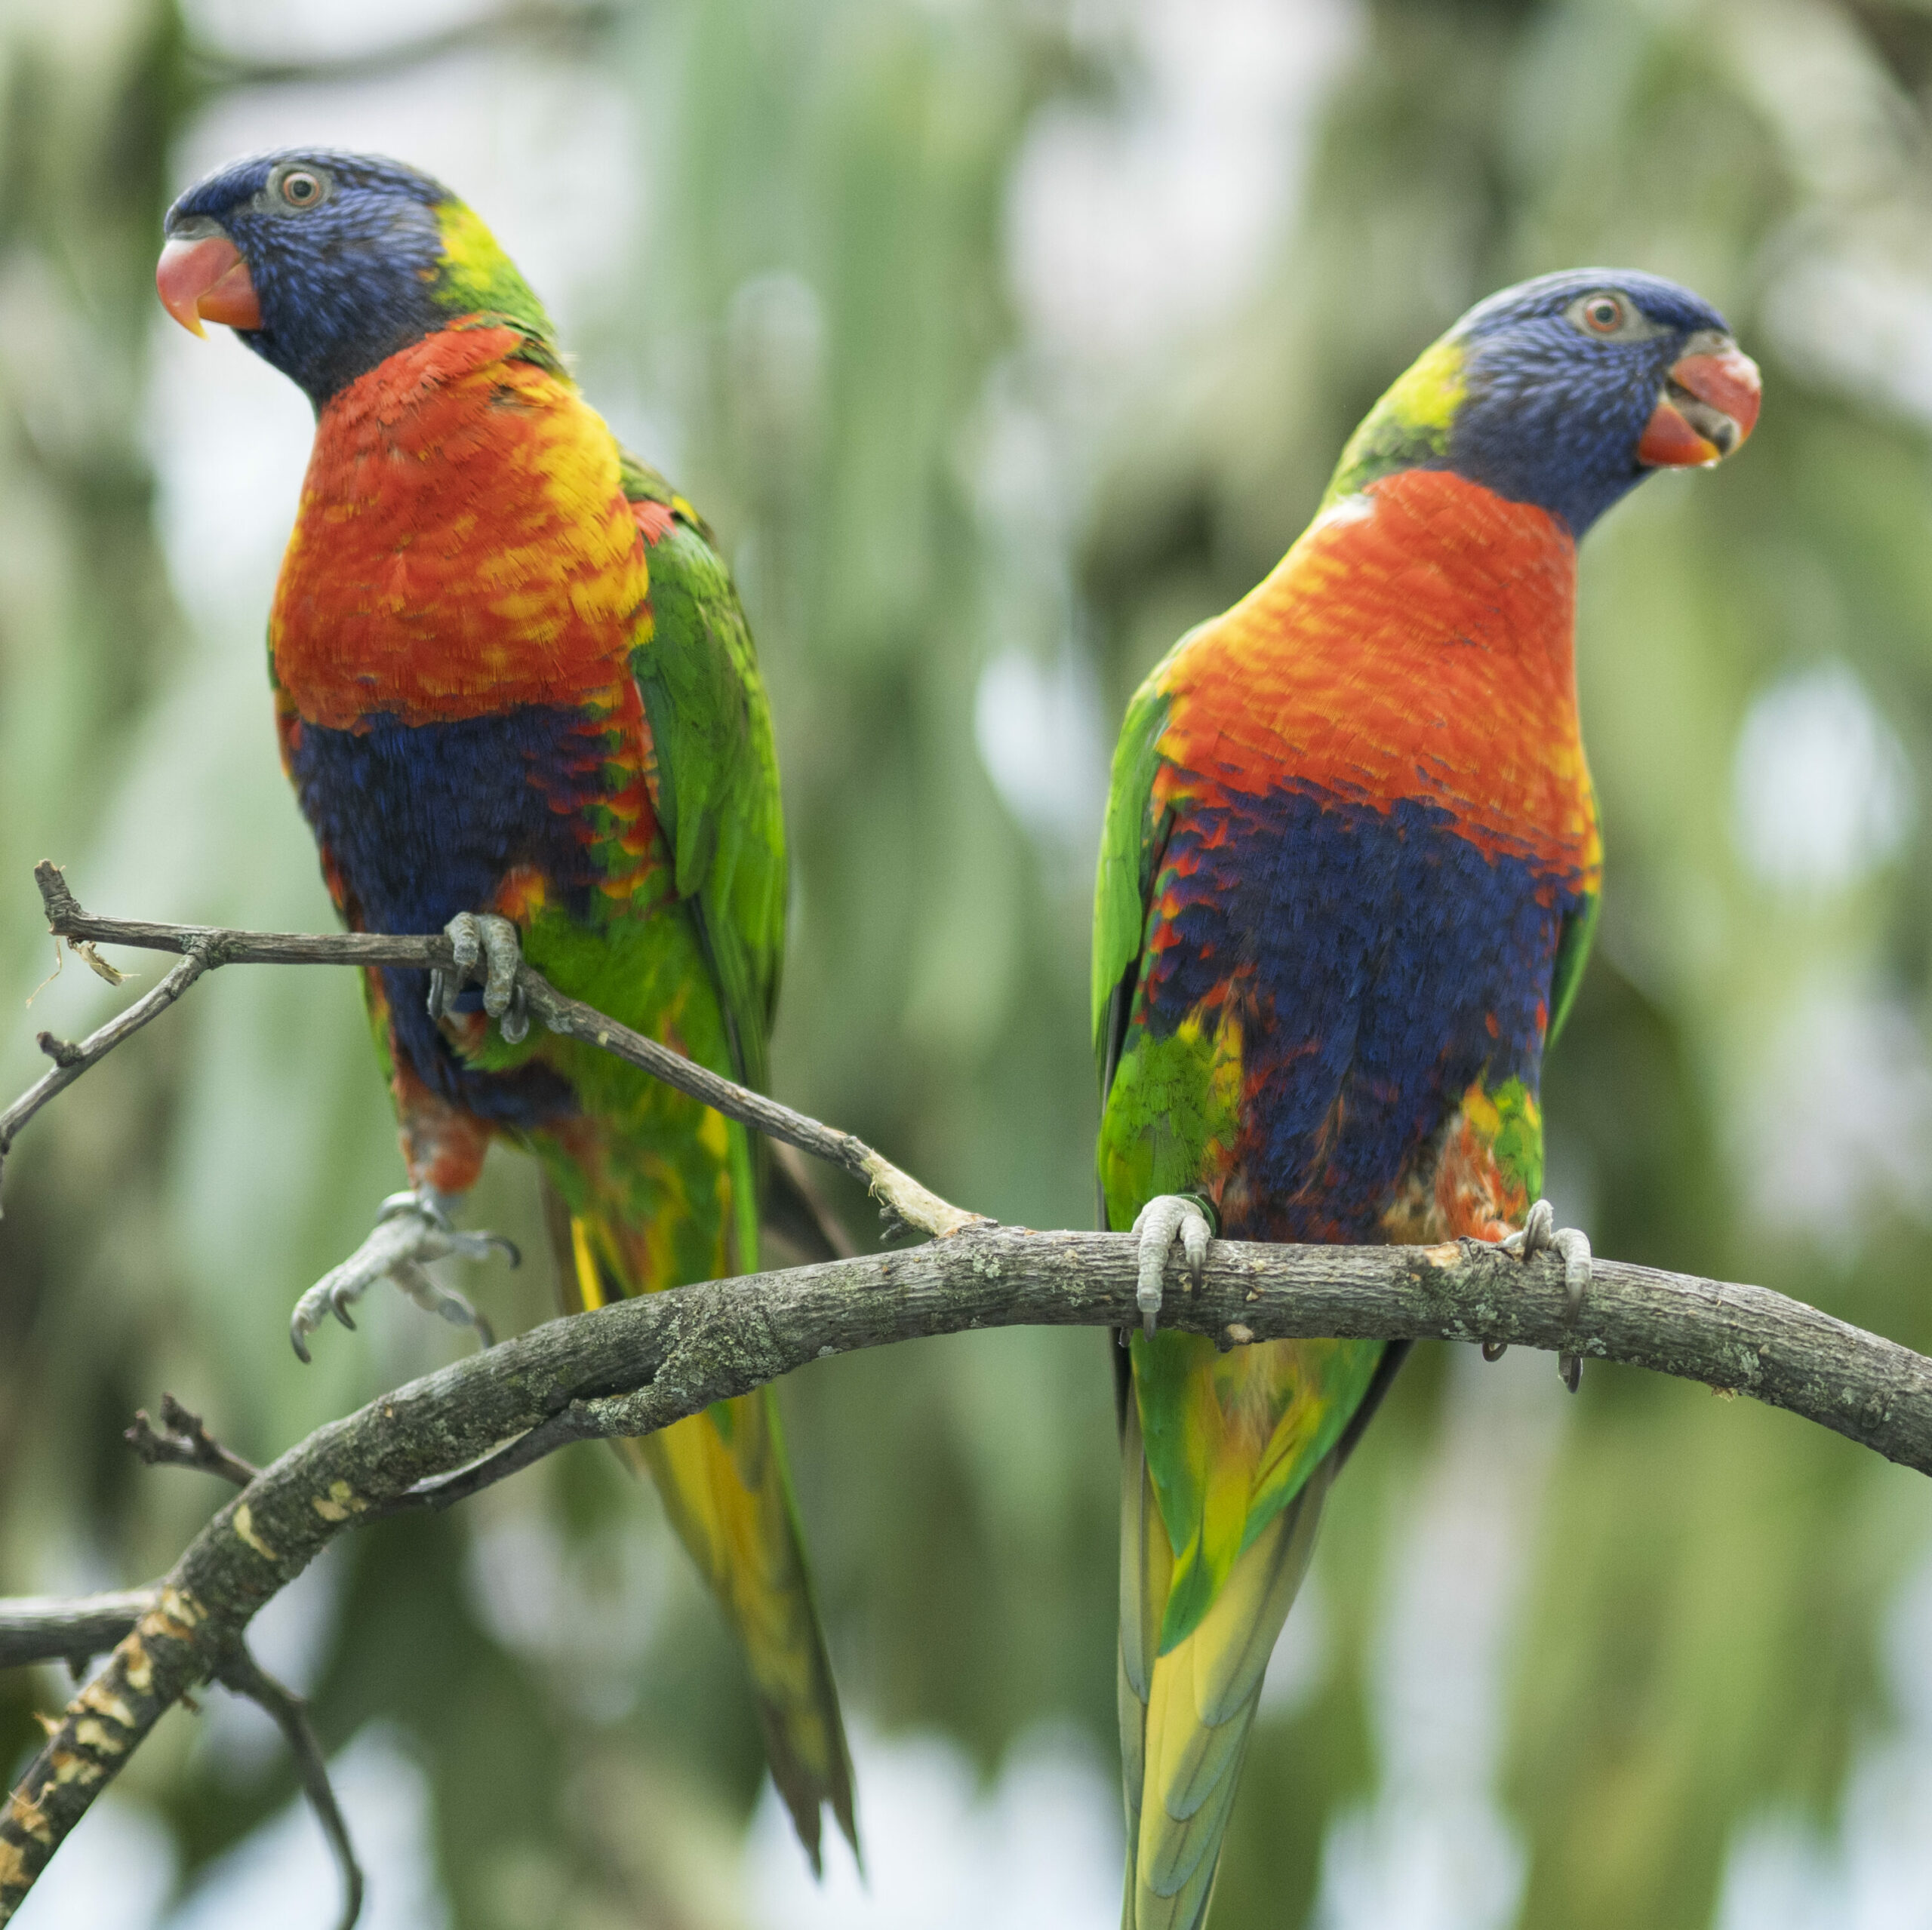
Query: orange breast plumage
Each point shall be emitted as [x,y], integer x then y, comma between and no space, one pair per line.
[1415,646]
[463,545]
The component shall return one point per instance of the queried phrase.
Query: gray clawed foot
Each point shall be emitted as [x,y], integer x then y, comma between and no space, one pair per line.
[483,937]
[1165,1218]
[1540,1234]
[411,1230]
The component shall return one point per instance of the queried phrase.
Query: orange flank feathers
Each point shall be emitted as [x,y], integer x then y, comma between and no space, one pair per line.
[463,545]
[1415,643]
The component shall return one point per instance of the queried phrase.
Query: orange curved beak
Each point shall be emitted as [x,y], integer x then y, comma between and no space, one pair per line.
[207,280]
[1710,405]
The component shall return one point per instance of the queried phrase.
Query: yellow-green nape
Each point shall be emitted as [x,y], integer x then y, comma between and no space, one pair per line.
[1428,395]
[1410,425]
[475,276]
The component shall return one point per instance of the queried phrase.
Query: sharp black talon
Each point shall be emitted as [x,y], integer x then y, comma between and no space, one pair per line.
[1494,1350]
[1569,1367]
[300,1345]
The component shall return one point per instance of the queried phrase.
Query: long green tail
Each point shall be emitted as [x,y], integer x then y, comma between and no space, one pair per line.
[1184,1716]
[727,1492]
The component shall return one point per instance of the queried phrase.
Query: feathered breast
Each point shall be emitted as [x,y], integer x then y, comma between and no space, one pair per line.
[463,545]
[1416,646]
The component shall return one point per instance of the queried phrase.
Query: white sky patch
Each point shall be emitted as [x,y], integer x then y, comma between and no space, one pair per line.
[117,1870]
[114,1872]
[1874,1872]
[1127,225]
[1039,736]
[1433,1851]
[276,30]
[281,1873]
[1858,319]
[1838,1126]
[588,1611]
[1299,1665]
[1041,1849]
[1821,791]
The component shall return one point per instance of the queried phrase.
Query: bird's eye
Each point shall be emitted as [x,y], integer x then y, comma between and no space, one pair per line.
[1603,314]
[301,189]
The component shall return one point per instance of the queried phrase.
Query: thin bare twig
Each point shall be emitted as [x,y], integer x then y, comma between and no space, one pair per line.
[240,1672]
[898,1193]
[71,1061]
[182,1441]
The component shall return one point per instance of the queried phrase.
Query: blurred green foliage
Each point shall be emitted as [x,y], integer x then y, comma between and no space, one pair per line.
[817,296]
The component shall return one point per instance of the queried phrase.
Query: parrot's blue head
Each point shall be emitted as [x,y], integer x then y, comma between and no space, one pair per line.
[327,263]
[1565,392]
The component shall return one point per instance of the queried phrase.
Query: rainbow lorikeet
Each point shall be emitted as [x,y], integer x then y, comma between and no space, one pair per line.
[1347,887]
[518,698]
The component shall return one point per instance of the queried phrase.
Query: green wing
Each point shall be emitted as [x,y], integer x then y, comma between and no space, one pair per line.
[1130,846]
[715,777]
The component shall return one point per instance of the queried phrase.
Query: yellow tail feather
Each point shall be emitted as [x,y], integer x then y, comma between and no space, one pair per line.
[1185,1716]
[722,1478]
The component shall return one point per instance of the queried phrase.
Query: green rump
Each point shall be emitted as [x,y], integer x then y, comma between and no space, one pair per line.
[1203,1416]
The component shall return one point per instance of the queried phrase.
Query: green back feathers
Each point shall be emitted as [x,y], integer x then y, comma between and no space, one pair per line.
[714,783]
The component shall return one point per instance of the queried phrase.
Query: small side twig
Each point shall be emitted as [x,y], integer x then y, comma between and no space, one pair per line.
[70,1060]
[182,1441]
[242,1674]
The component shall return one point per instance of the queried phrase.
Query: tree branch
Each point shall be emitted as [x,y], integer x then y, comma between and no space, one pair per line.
[642,1364]
[54,1628]
[901,1195]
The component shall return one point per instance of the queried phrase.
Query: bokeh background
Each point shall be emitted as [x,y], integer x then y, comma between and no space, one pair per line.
[1002,339]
